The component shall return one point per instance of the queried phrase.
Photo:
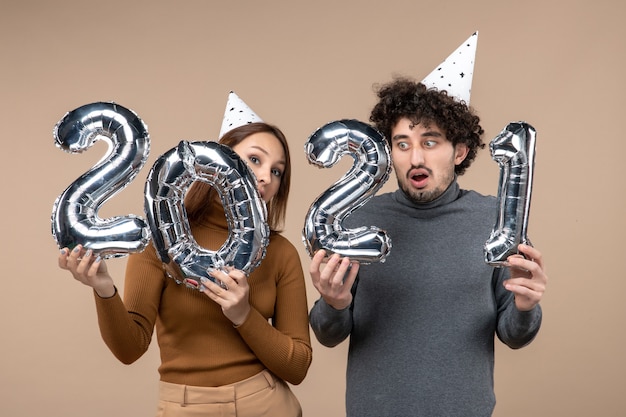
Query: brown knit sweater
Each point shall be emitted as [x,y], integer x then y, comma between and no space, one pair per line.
[198,344]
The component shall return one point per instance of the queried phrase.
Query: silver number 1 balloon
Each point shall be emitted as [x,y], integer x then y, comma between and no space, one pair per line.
[514,150]
[218,165]
[323,227]
[75,217]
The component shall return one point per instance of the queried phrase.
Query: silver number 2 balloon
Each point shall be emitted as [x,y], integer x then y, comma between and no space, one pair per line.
[514,150]
[323,227]
[218,165]
[75,217]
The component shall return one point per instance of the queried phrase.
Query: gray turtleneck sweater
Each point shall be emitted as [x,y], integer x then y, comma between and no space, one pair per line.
[422,324]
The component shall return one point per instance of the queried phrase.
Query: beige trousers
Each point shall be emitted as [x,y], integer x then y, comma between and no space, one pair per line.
[260,395]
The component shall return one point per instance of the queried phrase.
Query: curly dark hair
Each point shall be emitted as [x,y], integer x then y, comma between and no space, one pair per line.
[404,97]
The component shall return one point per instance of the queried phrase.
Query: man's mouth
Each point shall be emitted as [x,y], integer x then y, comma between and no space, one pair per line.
[419,177]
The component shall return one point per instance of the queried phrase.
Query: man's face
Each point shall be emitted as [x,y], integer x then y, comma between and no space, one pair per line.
[423,159]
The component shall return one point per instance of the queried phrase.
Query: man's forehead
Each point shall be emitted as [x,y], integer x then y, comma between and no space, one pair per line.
[415,121]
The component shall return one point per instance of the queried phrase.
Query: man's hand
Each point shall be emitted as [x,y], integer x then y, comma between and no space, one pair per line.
[528,278]
[333,280]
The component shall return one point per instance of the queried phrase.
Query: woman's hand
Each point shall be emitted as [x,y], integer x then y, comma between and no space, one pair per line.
[89,269]
[232,295]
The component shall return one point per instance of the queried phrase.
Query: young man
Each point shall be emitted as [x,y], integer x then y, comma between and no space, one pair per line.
[422,324]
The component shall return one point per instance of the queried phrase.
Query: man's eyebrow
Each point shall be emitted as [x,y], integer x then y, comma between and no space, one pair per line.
[432,133]
[399,136]
[429,133]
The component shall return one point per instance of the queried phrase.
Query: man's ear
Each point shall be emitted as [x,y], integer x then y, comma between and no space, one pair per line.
[460,152]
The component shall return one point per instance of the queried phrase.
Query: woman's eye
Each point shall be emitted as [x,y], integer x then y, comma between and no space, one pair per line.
[277,172]
[254,160]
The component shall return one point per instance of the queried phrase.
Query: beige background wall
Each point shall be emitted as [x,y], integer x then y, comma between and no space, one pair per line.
[556,65]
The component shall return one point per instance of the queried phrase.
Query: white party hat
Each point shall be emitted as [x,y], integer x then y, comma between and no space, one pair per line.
[455,73]
[237,114]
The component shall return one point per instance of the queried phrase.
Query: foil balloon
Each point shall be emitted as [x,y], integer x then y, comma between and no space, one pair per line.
[169,179]
[75,217]
[323,227]
[514,151]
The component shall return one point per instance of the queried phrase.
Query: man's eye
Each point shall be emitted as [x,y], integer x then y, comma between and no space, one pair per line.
[402,145]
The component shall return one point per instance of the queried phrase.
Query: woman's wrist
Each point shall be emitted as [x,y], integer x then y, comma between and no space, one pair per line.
[106,292]
[242,320]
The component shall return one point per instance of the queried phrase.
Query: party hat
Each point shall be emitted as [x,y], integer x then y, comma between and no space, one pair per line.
[237,114]
[455,73]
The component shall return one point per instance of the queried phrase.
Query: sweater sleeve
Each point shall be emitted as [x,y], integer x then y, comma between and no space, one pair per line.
[514,328]
[330,326]
[126,326]
[283,346]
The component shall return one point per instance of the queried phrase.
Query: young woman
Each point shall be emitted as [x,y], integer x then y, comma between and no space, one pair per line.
[226,350]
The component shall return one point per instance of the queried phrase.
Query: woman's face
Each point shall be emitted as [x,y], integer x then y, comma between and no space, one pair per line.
[265,155]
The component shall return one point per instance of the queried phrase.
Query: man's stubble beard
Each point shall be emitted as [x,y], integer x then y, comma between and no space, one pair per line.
[421,197]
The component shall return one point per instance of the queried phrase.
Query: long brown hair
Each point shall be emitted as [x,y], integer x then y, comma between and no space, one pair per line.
[201,193]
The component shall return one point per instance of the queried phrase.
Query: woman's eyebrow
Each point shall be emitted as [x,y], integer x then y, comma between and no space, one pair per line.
[262,150]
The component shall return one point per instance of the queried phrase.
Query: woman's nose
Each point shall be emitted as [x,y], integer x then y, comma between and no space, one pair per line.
[263,176]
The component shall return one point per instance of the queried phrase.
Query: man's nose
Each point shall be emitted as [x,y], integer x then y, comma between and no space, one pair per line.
[417,157]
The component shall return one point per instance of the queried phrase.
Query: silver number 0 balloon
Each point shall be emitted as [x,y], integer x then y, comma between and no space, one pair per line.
[323,227]
[514,150]
[75,217]
[218,165]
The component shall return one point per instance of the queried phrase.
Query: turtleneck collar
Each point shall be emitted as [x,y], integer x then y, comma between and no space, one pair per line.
[448,196]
